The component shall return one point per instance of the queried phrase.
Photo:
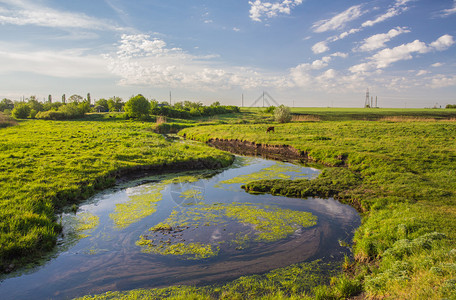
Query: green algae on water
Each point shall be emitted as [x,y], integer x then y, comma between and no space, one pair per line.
[254,223]
[143,203]
[191,250]
[276,171]
[86,222]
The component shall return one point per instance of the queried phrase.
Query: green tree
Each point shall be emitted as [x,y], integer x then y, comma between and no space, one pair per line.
[75,98]
[21,111]
[137,107]
[282,114]
[34,104]
[101,105]
[115,104]
[6,104]
[88,98]
[84,107]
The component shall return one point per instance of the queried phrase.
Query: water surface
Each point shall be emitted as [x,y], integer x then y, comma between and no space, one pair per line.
[205,229]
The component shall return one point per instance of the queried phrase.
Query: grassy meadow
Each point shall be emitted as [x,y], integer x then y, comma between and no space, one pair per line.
[405,248]
[47,165]
[396,166]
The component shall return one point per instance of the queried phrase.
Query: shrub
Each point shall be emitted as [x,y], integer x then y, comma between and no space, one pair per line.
[282,114]
[21,111]
[50,115]
[71,111]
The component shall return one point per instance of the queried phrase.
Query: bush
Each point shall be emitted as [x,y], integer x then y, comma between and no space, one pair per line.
[71,110]
[50,115]
[137,107]
[282,114]
[21,111]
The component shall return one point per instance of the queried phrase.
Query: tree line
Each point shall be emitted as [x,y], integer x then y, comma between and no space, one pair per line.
[137,106]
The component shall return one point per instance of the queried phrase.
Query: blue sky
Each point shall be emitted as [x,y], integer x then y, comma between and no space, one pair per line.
[302,52]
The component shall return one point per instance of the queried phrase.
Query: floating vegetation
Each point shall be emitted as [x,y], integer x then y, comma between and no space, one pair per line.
[86,222]
[143,203]
[272,224]
[191,194]
[191,250]
[276,171]
[253,222]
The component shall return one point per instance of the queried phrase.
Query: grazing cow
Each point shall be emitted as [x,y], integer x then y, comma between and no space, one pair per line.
[270,129]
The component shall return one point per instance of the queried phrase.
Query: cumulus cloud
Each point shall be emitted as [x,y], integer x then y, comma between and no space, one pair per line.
[378,40]
[29,13]
[306,75]
[442,43]
[386,57]
[320,47]
[141,60]
[422,72]
[437,64]
[397,8]
[261,10]
[338,21]
[441,81]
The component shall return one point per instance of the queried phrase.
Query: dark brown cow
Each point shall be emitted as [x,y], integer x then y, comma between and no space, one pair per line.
[270,129]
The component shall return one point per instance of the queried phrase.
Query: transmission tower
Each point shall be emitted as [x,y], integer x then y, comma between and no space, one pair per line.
[366,102]
[265,99]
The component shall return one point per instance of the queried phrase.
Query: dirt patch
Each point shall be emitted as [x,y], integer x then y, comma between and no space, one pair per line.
[277,152]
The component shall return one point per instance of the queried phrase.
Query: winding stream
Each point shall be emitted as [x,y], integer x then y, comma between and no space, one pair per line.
[187,228]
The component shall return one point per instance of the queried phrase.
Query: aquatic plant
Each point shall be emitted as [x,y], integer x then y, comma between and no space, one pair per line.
[141,205]
[261,223]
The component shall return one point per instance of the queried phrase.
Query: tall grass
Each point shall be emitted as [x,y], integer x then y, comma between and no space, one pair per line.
[6,120]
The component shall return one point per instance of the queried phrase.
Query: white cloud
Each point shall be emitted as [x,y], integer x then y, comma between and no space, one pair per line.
[338,21]
[141,60]
[72,63]
[260,10]
[398,8]
[449,11]
[442,43]
[422,72]
[320,47]
[437,64]
[28,13]
[441,81]
[378,41]
[236,29]
[386,57]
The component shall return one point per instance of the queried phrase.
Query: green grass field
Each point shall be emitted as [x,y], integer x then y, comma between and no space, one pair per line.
[397,166]
[405,248]
[47,165]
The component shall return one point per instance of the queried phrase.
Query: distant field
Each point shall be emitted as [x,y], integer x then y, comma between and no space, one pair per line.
[45,165]
[334,114]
